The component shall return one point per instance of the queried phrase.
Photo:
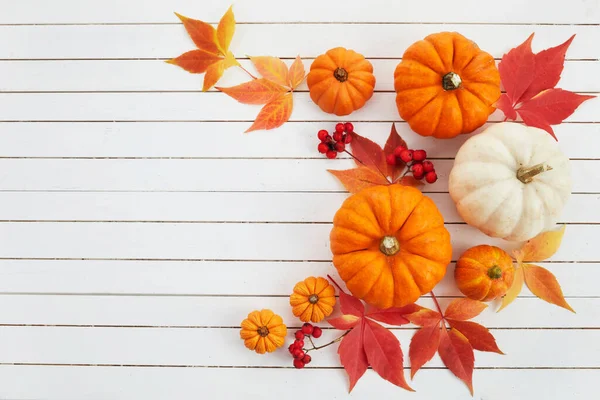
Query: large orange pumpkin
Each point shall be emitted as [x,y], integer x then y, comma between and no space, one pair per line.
[390,245]
[446,85]
[340,81]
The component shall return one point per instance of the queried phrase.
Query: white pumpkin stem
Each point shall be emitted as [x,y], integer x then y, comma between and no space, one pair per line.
[526,175]
[389,245]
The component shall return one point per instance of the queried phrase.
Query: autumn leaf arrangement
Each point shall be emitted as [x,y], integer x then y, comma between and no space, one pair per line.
[368,336]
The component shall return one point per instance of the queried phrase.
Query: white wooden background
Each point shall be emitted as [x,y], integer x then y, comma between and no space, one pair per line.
[138,225]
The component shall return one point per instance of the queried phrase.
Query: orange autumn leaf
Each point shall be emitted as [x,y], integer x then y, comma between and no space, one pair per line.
[225,30]
[274,114]
[464,308]
[296,73]
[543,246]
[409,180]
[425,317]
[213,74]
[195,61]
[514,290]
[356,179]
[423,346]
[544,285]
[271,68]
[256,91]
[203,34]
[478,336]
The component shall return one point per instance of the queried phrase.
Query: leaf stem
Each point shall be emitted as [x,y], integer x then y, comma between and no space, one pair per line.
[246,71]
[326,344]
[352,155]
[437,305]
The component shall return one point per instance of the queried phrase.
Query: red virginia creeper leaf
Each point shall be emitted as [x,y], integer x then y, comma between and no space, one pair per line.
[195,61]
[225,30]
[424,317]
[517,69]
[345,322]
[352,355]
[256,91]
[203,34]
[393,141]
[457,354]
[549,64]
[393,316]
[296,73]
[409,180]
[537,121]
[464,308]
[349,304]
[553,105]
[544,285]
[213,74]
[369,153]
[479,336]
[274,114]
[357,179]
[514,290]
[505,105]
[384,353]
[423,346]
[271,68]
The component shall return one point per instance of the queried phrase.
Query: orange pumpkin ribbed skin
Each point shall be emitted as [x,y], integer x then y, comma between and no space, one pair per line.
[312,299]
[484,273]
[340,81]
[263,331]
[421,96]
[407,218]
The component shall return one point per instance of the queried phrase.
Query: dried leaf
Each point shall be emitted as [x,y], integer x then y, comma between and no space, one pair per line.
[424,317]
[464,308]
[479,336]
[357,179]
[544,285]
[457,354]
[203,34]
[423,346]
[225,30]
[393,141]
[517,69]
[543,246]
[384,353]
[393,316]
[296,73]
[195,61]
[345,322]
[271,68]
[514,290]
[369,154]
[274,113]
[213,74]
[256,91]
[352,355]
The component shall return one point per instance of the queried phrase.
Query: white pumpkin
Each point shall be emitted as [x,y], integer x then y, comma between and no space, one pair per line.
[510,181]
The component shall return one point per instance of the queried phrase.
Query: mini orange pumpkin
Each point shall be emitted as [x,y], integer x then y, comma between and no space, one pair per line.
[340,81]
[263,331]
[313,299]
[484,273]
[445,85]
[390,245]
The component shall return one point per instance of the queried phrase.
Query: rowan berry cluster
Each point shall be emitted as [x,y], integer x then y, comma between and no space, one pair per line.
[297,350]
[336,143]
[416,160]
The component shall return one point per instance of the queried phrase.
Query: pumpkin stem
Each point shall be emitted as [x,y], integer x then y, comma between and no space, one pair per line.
[340,74]
[495,272]
[389,245]
[263,331]
[526,175]
[313,299]
[451,81]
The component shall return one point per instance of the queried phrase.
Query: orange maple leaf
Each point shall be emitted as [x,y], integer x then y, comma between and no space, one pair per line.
[274,113]
[271,68]
[256,91]
[225,30]
[296,73]
[202,34]
[356,179]
[195,61]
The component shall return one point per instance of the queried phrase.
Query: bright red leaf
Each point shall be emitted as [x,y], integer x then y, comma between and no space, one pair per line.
[423,346]
[369,153]
[393,316]
[345,322]
[393,141]
[457,354]
[553,105]
[479,336]
[517,70]
[464,308]
[352,355]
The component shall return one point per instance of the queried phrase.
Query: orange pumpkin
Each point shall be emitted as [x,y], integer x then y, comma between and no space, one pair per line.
[263,331]
[390,245]
[484,273]
[445,85]
[340,81]
[313,299]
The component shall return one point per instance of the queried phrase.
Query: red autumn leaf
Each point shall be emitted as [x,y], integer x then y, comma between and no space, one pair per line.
[537,121]
[505,105]
[274,113]
[409,180]
[393,141]
[352,355]
[203,34]
[225,30]
[479,336]
[369,153]
[424,317]
[517,69]
[544,285]
[357,179]
[349,304]
[384,353]
[457,354]
[423,346]
[271,68]
[256,91]
[296,73]
[195,61]
[393,316]
[345,322]
[464,308]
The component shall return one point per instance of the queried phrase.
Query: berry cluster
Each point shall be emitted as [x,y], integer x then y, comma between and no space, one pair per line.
[332,145]
[296,349]
[416,161]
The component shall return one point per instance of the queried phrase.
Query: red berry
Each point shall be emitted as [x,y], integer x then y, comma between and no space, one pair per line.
[299,344]
[299,335]
[431,177]
[428,166]
[418,177]
[339,127]
[299,354]
[339,147]
[347,138]
[331,154]
[348,127]
[406,155]
[291,348]
[307,328]
[322,147]
[306,359]
[298,364]
[399,150]
[338,136]
[417,169]
[322,135]
[390,159]
[419,155]
[317,332]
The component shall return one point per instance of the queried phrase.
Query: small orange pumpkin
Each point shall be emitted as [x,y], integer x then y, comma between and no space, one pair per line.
[313,299]
[484,273]
[445,85]
[340,81]
[390,245]
[263,331]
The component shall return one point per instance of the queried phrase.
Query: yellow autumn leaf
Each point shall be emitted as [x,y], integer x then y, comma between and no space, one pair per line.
[296,73]
[514,290]
[213,74]
[543,246]
[225,30]
[275,113]
[271,68]
[544,285]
